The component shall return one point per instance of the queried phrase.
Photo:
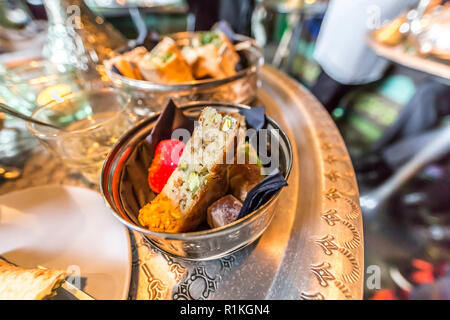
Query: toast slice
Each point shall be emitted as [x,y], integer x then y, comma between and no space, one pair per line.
[200,178]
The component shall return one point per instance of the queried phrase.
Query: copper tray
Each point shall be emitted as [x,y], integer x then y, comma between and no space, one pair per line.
[313,248]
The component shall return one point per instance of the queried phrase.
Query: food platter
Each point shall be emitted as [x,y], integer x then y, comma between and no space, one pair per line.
[313,248]
[398,55]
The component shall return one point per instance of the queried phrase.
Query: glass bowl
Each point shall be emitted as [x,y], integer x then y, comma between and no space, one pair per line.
[92,121]
[37,82]
[125,189]
[151,97]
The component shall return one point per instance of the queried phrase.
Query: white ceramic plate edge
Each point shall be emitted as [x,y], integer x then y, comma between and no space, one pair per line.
[125,293]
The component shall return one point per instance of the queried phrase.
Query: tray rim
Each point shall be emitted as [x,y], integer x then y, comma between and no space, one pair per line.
[336,264]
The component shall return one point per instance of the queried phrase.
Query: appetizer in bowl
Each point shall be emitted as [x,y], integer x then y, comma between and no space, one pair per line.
[206,196]
[188,66]
[208,55]
[201,178]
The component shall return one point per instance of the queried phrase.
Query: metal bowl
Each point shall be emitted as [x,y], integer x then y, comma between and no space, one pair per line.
[125,188]
[150,97]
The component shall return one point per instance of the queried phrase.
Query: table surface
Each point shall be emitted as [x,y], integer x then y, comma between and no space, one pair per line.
[314,246]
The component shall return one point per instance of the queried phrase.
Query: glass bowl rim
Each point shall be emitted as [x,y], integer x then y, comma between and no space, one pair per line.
[73,95]
[9,80]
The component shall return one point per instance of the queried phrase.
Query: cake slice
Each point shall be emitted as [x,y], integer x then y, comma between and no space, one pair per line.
[200,178]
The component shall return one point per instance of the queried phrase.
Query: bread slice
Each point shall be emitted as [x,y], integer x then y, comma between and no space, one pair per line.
[201,176]
[28,284]
[127,63]
[165,64]
[215,57]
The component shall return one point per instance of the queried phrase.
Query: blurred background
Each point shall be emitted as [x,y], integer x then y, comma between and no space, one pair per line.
[379,67]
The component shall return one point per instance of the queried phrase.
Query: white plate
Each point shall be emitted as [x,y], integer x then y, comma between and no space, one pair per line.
[67,227]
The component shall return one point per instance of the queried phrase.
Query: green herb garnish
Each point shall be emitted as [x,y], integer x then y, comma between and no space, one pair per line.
[226,124]
[183,166]
[166,57]
[251,155]
[205,38]
[210,37]
[193,181]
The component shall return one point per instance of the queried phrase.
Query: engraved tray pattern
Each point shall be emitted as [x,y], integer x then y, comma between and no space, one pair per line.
[313,248]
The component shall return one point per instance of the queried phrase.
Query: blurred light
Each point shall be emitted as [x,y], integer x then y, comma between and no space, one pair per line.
[404,28]
[53,93]
[400,280]
[413,198]
[368,202]
[437,233]
[338,112]
[11,174]
[17,15]
[99,20]
[35,2]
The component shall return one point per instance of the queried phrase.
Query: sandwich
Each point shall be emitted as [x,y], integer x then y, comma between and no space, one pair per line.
[165,64]
[211,54]
[200,178]
[127,63]
[28,284]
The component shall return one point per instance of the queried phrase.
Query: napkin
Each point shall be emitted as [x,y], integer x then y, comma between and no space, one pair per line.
[171,118]
[262,192]
[254,117]
[225,27]
[151,40]
[114,68]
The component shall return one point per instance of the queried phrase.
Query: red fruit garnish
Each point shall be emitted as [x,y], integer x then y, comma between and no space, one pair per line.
[165,161]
